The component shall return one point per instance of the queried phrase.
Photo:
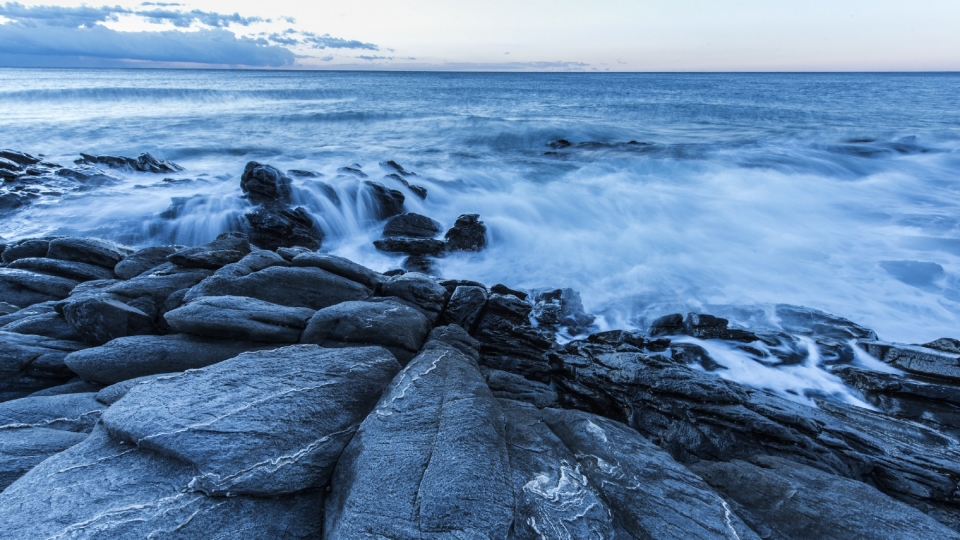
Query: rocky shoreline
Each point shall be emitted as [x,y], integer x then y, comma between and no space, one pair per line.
[254,387]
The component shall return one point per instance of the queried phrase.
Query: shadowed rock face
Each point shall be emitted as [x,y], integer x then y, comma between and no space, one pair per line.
[239,317]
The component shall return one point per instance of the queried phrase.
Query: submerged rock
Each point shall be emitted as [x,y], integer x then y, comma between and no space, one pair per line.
[383,201]
[264,183]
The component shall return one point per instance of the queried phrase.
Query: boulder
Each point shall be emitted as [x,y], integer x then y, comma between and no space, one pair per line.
[561,308]
[500,288]
[88,250]
[264,183]
[915,359]
[228,248]
[111,490]
[381,201]
[411,225]
[419,290]
[51,324]
[274,226]
[99,319]
[23,448]
[458,338]
[509,342]
[21,158]
[73,386]
[67,269]
[699,325]
[66,412]
[785,499]
[239,317]
[290,253]
[25,288]
[464,306]
[341,267]
[137,356]
[410,246]
[143,260]
[234,438]
[159,283]
[467,234]
[287,286]
[429,462]
[390,324]
[29,363]
[256,260]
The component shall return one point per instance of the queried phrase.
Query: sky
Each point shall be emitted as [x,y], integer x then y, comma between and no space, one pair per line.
[488,35]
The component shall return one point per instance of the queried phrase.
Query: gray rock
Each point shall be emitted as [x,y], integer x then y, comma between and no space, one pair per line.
[227,248]
[915,359]
[89,177]
[29,363]
[88,250]
[137,356]
[467,234]
[50,324]
[420,290]
[796,501]
[110,490]
[294,287]
[113,393]
[464,306]
[382,201]
[24,288]
[30,247]
[509,342]
[74,386]
[7,308]
[947,345]
[30,311]
[561,308]
[66,412]
[264,183]
[508,385]
[458,338]
[410,246]
[68,269]
[143,163]
[142,260]
[412,225]
[18,157]
[390,324]
[290,253]
[100,319]
[274,225]
[341,267]
[234,439]
[240,317]
[256,260]
[160,283]
[429,462]
[23,448]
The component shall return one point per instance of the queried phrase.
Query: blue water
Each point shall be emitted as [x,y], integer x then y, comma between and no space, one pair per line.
[835,191]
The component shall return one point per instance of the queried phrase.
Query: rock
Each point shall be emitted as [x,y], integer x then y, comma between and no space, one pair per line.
[467,234]
[419,290]
[410,246]
[23,448]
[458,338]
[429,462]
[73,386]
[67,269]
[67,412]
[341,267]
[103,318]
[6,309]
[464,306]
[382,201]
[946,345]
[89,177]
[699,325]
[112,394]
[88,250]
[228,248]
[411,225]
[143,260]
[355,171]
[240,317]
[20,158]
[394,166]
[503,289]
[796,501]
[258,259]
[508,342]
[287,286]
[29,363]
[274,226]
[137,356]
[31,247]
[915,359]
[51,324]
[507,385]
[290,253]
[559,143]
[419,191]
[111,490]
[304,174]
[804,321]
[143,163]
[390,324]
[561,307]
[234,439]
[25,288]
[159,283]
[263,183]
[8,165]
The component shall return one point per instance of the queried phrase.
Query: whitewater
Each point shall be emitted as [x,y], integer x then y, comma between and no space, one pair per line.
[721,193]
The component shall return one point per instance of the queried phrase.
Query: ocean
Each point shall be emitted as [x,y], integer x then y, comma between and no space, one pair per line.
[721,193]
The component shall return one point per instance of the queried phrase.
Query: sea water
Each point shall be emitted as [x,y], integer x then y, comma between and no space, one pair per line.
[723,193]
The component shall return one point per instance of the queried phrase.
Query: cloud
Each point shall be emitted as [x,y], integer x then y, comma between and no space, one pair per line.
[327,42]
[87,16]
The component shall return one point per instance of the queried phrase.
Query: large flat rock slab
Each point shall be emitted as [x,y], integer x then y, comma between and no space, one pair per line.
[916,359]
[22,448]
[67,412]
[307,287]
[264,423]
[396,326]
[240,317]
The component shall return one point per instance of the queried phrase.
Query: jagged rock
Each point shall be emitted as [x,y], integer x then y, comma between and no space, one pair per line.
[143,163]
[619,339]
[228,248]
[464,306]
[419,191]
[804,321]
[240,317]
[137,356]
[25,288]
[507,385]
[88,250]
[67,412]
[411,225]
[394,166]
[50,324]
[67,269]
[430,461]
[115,490]
[382,201]
[915,359]
[390,324]
[561,307]
[31,247]
[73,386]
[341,267]
[20,158]
[143,260]
[793,501]
[467,234]
[699,325]
[264,183]
[419,290]
[500,288]
[946,345]
[89,177]
[234,440]
[99,319]
[410,246]
[23,448]
[508,342]
[274,226]
[287,286]
[29,363]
